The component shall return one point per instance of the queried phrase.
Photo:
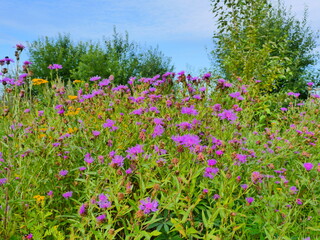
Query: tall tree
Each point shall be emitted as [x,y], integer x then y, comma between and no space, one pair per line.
[257,40]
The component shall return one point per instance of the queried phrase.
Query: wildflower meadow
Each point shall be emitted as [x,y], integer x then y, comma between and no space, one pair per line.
[174,156]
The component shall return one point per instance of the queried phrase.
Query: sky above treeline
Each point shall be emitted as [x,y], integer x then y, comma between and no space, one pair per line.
[182,29]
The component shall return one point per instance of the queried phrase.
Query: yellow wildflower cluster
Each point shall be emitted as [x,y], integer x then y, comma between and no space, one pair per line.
[39,198]
[38,81]
[77,81]
[72,111]
[72,130]
[72,97]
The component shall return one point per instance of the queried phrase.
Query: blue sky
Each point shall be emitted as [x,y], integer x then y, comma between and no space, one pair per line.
[181,28]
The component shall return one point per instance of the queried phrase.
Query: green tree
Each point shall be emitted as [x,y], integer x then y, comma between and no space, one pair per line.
[115,56]
[257,40]
[61,50]
[122,59]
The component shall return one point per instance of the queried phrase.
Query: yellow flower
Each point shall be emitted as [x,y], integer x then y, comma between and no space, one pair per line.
[38,81]
[39,198]
[77,81]
[72,97]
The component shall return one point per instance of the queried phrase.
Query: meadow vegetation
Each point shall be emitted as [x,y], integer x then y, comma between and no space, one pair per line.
[106,142]
[168,157]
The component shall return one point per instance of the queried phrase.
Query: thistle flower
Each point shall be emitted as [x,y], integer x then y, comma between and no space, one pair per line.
[148,205]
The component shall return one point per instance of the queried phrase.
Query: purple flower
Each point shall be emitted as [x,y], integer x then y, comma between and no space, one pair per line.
[236,95]
[29,236]
[117,160]
[293,190]
[26,110]
[67,194]
[95,78]
[284,109]
[158,131]
[187,140]
[40,113]
[244,186]
[50,193]
[110,124]
[310,84]
[210,172]
[129,171]
[103,201]
[217,107]
[299,201]
[256,177]
[63,172]
[216,197]
[101,218]
[55,66]
[148,206]
[212,162]
[104,82]
[250,200]
[3,181]
[82,168]
[228,115]
[95,133]
[88,158]
[308,166]
[83,209]
[133,151]
[189,111]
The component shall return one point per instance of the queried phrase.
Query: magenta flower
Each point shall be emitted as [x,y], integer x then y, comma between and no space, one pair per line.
[216,197]
[88,158]
[308,166]
[244,186]
[3,181]
[63,172]
[50,193]
[40,113]
[212,162]
[158,131]
[189,110]
[95,78]
[82,168]
[101,218]
[148,206]
[299,201]
[29,236]
[293,190]
[95,133]
[210,172]
[55,66]
[228,115]
[83,209]
[134,151]
[117,160]
[250,200]
[187,140]
[256,177]
[67,195]
[103,201]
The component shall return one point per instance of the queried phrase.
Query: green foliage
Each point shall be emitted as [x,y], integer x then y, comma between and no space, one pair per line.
[61,50]
[257,40]
[116,56]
